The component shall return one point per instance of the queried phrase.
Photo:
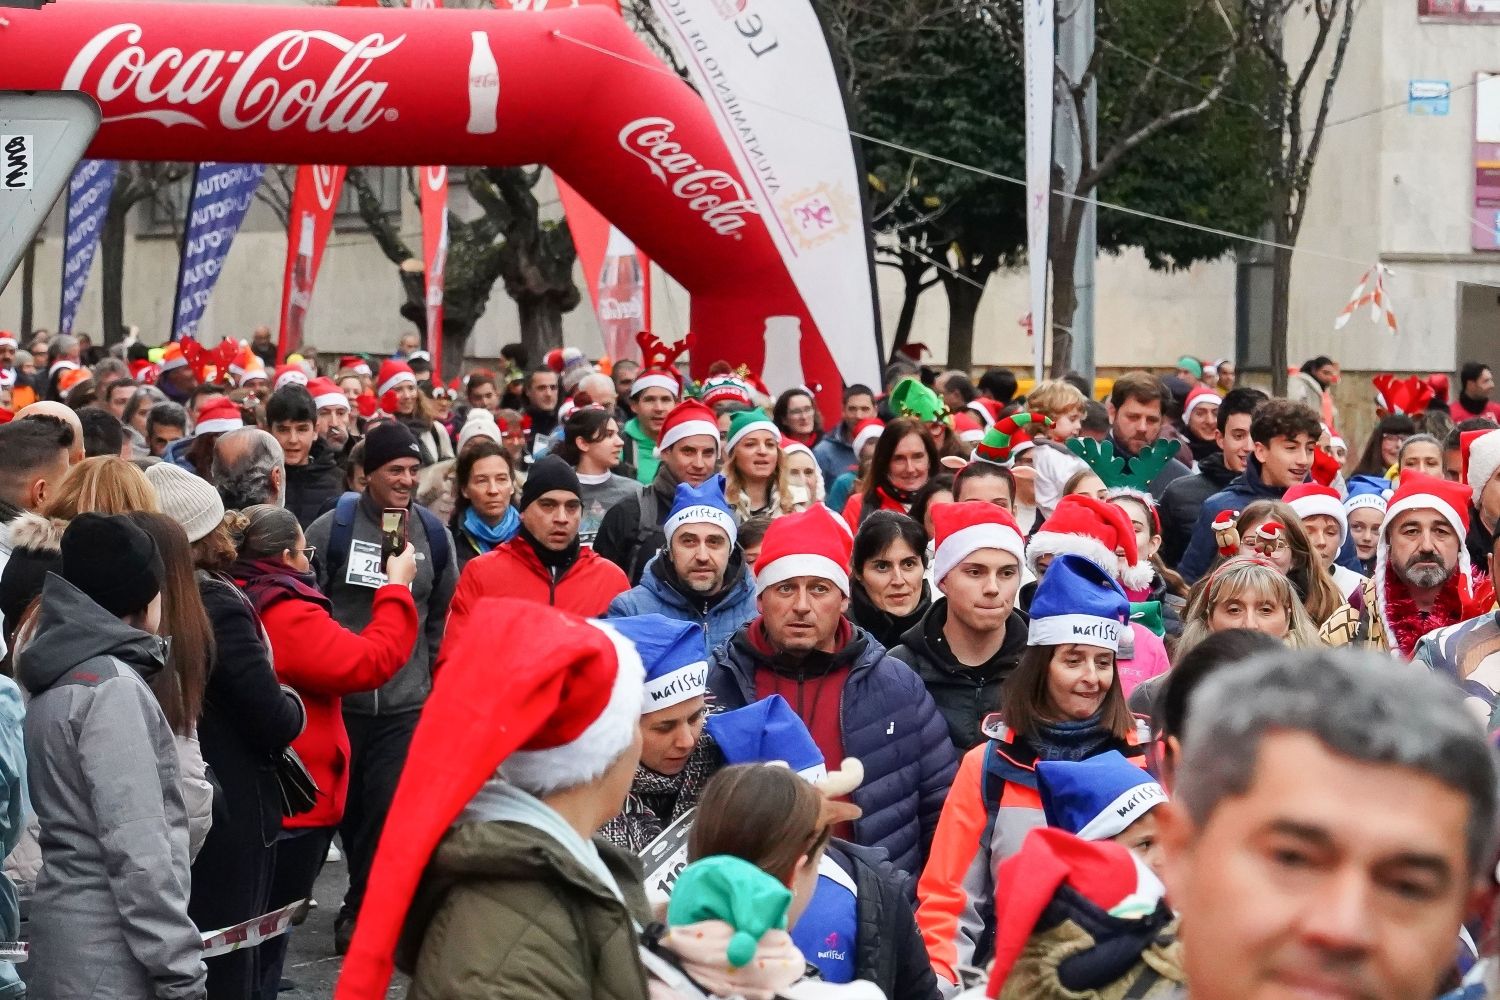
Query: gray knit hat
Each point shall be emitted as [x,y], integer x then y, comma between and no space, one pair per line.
[190,501]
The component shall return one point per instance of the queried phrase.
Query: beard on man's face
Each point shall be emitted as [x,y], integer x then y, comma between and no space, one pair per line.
[1426,569]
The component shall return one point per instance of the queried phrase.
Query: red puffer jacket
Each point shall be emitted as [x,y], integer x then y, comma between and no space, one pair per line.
[513,570]
[325,661]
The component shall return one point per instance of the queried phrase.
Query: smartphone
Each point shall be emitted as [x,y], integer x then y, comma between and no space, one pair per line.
[392,533]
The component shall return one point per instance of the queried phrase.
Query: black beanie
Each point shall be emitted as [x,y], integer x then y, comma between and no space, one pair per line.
[389,441]
[113,561]
[551,473]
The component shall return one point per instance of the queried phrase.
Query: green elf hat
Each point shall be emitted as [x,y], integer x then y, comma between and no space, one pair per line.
[735,891]
[1148,613]
[911,398]
[1000,442]
[746,422]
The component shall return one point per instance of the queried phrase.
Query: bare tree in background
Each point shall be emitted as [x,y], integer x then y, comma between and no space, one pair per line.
[135,183]
[1302,93]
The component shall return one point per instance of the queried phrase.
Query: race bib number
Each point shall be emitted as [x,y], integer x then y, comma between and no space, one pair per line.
[364,565]
[666,856]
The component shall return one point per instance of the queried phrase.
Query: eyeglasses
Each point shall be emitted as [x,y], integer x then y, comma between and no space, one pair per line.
[800,411]
[309,551]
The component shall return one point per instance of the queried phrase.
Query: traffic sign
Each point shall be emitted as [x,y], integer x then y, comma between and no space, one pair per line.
[43,135]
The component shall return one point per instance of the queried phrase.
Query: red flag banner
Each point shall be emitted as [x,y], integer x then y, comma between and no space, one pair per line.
[434,257]
[315,198]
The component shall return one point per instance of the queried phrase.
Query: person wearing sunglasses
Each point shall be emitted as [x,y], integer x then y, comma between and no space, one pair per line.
[545,561]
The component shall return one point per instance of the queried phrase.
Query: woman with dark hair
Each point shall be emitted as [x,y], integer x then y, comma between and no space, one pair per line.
[322,661]
[484,512]
[414,409]
[796,413]
[905,458]
[1384,445]
[888,586]
[592,445]
[985,481]
[248,719]
[939,489]
[1063,702]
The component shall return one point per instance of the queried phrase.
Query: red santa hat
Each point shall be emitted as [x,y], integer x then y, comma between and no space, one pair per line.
[326,394]
[172,356]
[355,363]
[218,415]
[393,372]
[288,375]
[987,410]
[1200,396]
[1095,530]
[867,430]
[688,418]
[1480,451]
[8,339]
[815,542]
[1311,499]
[546,723]
[968,427]
[961,529]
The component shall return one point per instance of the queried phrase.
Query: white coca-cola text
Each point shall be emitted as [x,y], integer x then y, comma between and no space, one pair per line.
[171,84]
[713,194]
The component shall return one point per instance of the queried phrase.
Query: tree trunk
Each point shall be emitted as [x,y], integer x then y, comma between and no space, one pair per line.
[1062,255]
[1281,306]
[541,324]
[112,273]
[912,290]
[455,343]
[963,305]
[28,292]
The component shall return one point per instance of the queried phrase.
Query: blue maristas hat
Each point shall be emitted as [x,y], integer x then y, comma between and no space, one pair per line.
[1098,798]
[765,731]
[700,504]
[672,653]
[1077,601]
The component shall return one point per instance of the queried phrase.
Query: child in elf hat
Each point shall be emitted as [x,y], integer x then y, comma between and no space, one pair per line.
[1054,465]
[1103,798]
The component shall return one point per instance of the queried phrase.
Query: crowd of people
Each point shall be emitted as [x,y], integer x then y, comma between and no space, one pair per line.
[608,682]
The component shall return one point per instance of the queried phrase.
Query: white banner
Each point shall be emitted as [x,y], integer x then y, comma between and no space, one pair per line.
[764,69]
[1041,55]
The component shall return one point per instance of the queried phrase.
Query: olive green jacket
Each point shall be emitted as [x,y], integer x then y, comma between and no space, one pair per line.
[505,913]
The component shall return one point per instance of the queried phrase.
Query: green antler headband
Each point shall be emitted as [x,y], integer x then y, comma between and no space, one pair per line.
[1115,470]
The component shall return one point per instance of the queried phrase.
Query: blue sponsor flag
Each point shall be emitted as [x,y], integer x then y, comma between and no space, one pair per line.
[89,190]
[222,193]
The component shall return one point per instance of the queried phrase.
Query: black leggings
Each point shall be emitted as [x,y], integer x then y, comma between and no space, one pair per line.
[299,860]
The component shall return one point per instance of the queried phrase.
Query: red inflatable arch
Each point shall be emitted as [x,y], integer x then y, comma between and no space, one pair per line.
[273,84]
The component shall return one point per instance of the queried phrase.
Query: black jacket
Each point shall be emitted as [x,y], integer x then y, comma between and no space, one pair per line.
[1179,504]
[889,951]
[311,486]
[1479,541]
[884,627]
[628,539]
[964,694]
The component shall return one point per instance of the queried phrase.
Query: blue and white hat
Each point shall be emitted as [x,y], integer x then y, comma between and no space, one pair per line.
[1096,798]
[699,504]
[766,731]
[1373,492]
[1077,601]
[672,653]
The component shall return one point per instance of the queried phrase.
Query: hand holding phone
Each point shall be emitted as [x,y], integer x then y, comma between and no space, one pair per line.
[392,533]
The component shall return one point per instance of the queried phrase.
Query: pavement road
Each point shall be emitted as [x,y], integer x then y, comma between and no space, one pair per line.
[311,963]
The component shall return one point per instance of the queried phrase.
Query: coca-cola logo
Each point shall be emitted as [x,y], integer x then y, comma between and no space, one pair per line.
[715,195]
[436,178]
[250,88]
[326,184]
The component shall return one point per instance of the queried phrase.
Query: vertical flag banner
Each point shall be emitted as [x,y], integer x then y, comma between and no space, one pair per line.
[434,256]
[315,198]
[1040,39]
[616,273]
[89,190]
[749,59]
[222,193]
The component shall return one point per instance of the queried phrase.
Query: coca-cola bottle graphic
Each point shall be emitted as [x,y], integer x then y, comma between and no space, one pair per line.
[622,298]
[302,282]
[782,368]
[484,87]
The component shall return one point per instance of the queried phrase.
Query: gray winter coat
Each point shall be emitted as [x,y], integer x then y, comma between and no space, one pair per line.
[109,920]
[353,605]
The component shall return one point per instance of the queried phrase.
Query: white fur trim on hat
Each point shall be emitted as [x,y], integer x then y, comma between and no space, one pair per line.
[655,380]
[865,436]
[1311,506]
[543,772]
[295,377]
[790,445]
[1086,630]
[1132,804]
[7,340]
[802,564]
[222,425]
[966,541]
[757,425]
[1484,458]
[701,513]
[331,399]
[387,385]
[1055,543]
[683,684]
[687,429]
[1201,399]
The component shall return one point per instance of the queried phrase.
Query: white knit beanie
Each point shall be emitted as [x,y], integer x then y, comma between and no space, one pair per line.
[190,501]
[479,423]
[1484,458]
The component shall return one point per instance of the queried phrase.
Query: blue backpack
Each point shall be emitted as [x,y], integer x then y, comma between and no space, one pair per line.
[343,533]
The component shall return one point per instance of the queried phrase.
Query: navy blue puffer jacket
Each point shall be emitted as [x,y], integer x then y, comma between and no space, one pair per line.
[890,723]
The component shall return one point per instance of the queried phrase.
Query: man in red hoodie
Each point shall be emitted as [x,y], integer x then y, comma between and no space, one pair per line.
[544,562]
